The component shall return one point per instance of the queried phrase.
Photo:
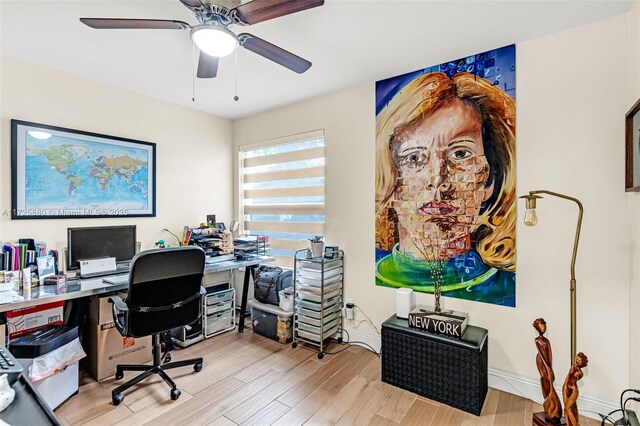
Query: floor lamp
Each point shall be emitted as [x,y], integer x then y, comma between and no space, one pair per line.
[531,219]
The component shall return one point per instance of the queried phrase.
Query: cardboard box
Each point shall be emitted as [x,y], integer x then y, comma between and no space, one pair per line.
[105,346]
[24,320]
[3,335]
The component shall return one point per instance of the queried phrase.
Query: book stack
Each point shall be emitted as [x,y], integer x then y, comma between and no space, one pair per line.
[15,258]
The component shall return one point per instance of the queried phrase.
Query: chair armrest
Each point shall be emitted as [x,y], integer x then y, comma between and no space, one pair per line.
[119,312]
[118,303]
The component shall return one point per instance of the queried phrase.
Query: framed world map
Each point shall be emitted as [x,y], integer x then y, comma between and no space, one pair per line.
[59,173]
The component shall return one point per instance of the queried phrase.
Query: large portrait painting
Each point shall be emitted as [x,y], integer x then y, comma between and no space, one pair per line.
[445,178]
[59,173]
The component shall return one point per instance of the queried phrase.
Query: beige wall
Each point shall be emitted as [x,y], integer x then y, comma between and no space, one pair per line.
[571,94]
[634,202]
[193,153]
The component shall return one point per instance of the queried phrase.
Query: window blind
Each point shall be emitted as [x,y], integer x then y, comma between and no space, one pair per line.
[282,193]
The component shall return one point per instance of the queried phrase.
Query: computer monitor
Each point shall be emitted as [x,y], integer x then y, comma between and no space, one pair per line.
[100,241]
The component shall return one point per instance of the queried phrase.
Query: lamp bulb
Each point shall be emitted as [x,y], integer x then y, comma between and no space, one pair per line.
[530,217]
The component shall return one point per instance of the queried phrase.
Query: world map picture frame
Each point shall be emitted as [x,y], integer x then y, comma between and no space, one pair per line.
[61,173]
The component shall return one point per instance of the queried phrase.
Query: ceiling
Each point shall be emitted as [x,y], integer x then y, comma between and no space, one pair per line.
[349,43]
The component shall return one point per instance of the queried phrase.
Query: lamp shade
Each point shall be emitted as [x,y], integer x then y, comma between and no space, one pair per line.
[214,40]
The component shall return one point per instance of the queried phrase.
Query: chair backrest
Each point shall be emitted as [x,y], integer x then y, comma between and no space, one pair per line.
[163,278]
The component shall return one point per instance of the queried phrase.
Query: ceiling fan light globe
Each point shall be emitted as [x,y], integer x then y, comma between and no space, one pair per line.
[39,135]
[214,40]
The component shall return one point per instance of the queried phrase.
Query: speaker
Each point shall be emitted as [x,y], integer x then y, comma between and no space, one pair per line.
[405,302]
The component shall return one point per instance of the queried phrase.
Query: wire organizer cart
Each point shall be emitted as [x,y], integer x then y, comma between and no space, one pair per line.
[318,287]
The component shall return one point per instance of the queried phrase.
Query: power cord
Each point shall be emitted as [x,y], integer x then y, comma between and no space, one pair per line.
[367,318]
[624,407]
[607,418]
[365,345]
[623,403]
[349,343]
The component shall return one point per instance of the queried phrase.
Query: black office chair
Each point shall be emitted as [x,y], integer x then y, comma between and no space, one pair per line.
[165,292]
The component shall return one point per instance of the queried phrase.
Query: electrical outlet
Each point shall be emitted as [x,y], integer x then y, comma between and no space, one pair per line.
[348,309]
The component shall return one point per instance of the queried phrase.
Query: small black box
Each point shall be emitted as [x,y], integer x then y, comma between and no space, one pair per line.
[446,369]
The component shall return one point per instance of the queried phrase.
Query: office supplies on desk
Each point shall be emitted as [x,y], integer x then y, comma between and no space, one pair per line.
[219,258]
[55,280]
[88,267]
[46,267]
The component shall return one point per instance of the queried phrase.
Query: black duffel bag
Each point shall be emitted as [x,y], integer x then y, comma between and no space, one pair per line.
[269,281]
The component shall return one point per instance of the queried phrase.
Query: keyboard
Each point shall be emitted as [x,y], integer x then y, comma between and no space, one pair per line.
[9,366]
[120,269]
[117,279]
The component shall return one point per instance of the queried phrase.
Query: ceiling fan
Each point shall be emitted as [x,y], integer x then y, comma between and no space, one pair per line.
[213,36]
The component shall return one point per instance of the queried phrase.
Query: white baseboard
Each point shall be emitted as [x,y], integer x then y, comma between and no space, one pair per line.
[525,387]
[529,388]
[357,336]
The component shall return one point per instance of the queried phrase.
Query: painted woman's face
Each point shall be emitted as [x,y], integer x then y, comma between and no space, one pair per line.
[443,172]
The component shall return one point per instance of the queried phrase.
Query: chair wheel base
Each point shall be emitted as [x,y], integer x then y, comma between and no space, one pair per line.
[167,357]
[294,345]
[320,355]
[197,368]
[175,394]
[117,399]
[119,376]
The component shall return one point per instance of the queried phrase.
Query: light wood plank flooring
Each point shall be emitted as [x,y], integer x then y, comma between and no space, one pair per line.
[250,380]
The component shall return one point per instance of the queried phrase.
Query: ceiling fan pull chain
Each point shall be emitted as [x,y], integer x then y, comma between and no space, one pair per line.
[236,98]
[193,72]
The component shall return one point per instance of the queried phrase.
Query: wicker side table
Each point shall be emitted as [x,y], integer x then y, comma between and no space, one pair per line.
[445,369]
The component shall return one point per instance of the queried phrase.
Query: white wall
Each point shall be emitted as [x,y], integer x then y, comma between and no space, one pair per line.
[193,152]
[571,95]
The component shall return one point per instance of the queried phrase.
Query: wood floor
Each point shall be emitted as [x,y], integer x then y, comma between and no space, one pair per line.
[250,380]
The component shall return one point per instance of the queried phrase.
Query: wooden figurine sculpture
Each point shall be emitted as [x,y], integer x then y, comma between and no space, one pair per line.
[570,389]
[552,406]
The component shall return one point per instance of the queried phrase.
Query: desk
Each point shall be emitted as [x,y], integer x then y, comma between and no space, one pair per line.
[75,289]
[28,407]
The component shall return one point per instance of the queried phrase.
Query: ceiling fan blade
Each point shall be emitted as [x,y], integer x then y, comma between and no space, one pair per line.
[115,23]
[207,66]
[193,4]
[263,10]
[274,53]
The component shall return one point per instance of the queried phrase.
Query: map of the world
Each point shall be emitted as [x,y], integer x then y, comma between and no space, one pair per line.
[77,174]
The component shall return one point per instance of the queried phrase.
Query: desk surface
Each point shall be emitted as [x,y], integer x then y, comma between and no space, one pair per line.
[28,407]
[75,289]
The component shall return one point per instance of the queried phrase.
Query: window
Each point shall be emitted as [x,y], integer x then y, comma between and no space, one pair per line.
[282,192]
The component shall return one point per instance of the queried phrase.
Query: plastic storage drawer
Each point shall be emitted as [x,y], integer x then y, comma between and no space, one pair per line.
[220,297]
[219,307]
[219,322]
